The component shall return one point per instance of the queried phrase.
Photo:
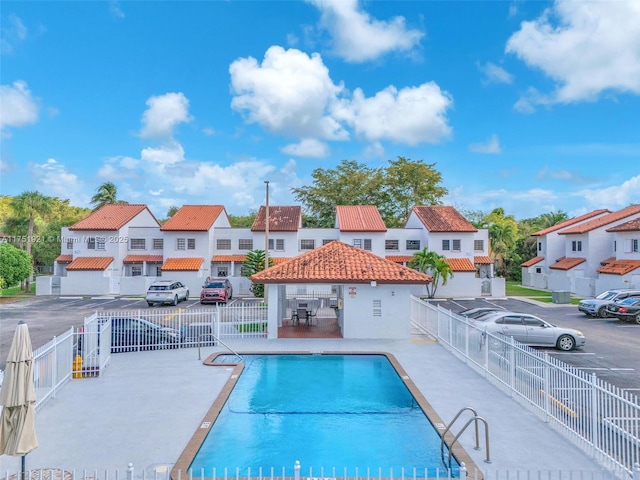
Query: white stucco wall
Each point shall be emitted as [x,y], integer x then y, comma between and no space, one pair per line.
[85,283]
[465,285]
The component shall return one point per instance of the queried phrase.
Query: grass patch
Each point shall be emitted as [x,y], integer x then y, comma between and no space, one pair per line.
[15,291]
[252,327]
[514,289]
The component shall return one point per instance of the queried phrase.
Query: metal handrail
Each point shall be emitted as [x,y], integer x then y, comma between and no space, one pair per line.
[220,341]
[475,420]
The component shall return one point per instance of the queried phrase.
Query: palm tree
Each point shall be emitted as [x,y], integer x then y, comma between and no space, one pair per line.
[433,264]
[29,207]
[254,263]
[106,194]
[552,218]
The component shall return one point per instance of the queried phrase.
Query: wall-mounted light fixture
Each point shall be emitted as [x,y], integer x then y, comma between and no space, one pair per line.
[374,283]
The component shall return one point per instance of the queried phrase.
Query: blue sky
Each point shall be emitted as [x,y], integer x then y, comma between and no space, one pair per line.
[529,106]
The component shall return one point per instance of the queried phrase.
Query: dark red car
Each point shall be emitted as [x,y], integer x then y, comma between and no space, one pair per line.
[216,290]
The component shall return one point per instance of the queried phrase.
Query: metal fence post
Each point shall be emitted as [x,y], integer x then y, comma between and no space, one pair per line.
[296,470]
[130,471]
[636,471]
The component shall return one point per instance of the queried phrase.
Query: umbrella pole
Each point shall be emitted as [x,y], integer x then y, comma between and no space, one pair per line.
[22,472]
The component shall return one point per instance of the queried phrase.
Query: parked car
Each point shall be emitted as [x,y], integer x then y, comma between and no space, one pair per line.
[166,291]
[598,306]
[627,310]
[478,311]
[132,333]
[530,330]
[216,290]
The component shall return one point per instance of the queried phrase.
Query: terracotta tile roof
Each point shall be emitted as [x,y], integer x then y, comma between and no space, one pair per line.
[608,260]
[571,221]
[281,219]
[279,260]
[90,263]
[482,260]
[440,218]
[191,264]
[337,262]
[64,258]
[602,221]
[632,226]
[567,263]
[399,258]
[620,267]
[359,218]
[110,217]
[229,258]
[142,258]
[193,218]
[461,264]
[531,262]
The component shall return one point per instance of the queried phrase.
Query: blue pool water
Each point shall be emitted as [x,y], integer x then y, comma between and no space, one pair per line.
[327,411]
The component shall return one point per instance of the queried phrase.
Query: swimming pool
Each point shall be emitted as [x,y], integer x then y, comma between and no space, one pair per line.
[331,412]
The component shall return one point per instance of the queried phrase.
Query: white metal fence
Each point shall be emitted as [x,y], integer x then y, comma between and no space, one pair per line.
[52,366]
[163,473]
[601,419]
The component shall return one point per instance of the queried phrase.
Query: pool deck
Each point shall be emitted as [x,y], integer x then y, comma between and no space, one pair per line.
[147,406]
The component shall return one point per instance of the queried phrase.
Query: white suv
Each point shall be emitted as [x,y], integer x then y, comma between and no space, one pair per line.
[597,307]
[166,291]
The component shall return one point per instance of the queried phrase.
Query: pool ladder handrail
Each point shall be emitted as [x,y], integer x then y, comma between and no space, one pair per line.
[476,418]
[201,336]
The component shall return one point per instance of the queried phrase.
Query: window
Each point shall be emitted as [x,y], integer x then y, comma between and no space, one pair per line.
[245,244]
[413,244]
[138,244]
[478,245]
[307,244]
[576,246]
[391,245]
[538,270]
[377,308]
[357,242]
[326,240]
[158,243]
[136,270]
[446,244]
[91,243]
[456,246]
[223,244]
[634,245]
[222,271]
[276,244]
[539,246]
[367,244]
[100,243]
[70,244]
[181,244]
[191,243]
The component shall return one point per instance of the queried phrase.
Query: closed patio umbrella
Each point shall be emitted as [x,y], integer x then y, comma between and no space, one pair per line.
[18,398]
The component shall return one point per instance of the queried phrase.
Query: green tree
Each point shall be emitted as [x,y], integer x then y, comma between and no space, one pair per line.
[243,221]
[106,194]
[15,265]
[31,206]
[254,263]
[433,264]
[394,190]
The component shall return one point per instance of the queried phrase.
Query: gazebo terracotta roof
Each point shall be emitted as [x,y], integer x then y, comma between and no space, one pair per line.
[442,218]
[571,221]
[359,218]
[90,263]
[110,217]
[193,218]
[337,262]
[183,264]
[281,219]
[567,263]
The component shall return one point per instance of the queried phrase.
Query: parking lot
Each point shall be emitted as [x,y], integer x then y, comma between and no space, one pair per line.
[610,352]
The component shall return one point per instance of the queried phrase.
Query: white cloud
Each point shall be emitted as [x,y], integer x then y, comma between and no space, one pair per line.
[208,131]
[119,168]
[164,114]
[308,147]
[494,74]
[411,115]
[115,10]
[492,145]
[52,178]
[288,93]
[12,35]
[357,37]
[617,195]
[171,153]
[17,106]
[373,150]
[586,47]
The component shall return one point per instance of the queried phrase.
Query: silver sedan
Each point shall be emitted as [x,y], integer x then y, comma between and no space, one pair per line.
[530,330]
